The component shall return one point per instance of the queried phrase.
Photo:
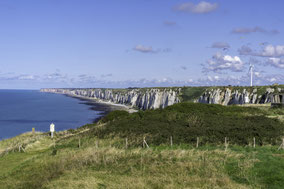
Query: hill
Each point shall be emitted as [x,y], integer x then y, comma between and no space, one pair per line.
[95,155]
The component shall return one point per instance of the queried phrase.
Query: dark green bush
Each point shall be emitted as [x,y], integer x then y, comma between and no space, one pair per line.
[187,121]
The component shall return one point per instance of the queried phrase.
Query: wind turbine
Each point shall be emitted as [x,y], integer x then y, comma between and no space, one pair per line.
[251,73]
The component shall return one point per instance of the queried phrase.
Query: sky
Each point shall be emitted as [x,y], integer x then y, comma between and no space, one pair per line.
[140,43]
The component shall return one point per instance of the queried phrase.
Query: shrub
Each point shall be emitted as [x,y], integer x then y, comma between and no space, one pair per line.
[187,121]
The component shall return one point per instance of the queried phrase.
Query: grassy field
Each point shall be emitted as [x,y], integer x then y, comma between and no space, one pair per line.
[110,165]
[95,156]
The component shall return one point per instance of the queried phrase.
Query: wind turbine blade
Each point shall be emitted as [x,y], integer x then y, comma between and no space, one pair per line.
[249,69]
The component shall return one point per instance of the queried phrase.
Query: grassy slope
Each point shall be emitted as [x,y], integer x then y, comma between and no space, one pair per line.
[103,162]
[111,166]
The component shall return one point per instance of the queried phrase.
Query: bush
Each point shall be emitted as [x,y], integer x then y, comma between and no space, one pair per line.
[187,121]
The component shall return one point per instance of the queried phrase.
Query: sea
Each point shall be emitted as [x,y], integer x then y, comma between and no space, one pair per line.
[22,110]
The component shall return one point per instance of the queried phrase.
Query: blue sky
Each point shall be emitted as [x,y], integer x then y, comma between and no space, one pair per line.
[127,43]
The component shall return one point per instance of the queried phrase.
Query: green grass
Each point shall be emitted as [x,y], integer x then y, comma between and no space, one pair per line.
[192,93]
[112,166]
[103,162]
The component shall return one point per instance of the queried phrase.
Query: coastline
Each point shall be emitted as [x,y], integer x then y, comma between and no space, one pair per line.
[122,106]
[102,106]
[101,109]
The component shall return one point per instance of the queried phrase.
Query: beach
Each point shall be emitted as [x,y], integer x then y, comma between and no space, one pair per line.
[103,106]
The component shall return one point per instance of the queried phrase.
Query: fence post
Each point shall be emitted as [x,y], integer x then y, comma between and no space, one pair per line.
[253,142]
[145,143]
[197,142]
[282,145]
[126,143]
[226,144]
[21,148]
[79,143]
[171,138]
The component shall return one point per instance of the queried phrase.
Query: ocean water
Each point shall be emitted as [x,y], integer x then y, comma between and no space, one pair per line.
[22,110]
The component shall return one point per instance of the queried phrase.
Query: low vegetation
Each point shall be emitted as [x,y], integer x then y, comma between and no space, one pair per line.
[96,155]
[189,94]
[184,122]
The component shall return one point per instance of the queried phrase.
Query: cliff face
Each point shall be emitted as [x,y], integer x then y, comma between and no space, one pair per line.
[139,98]
[153,98]
[245,96]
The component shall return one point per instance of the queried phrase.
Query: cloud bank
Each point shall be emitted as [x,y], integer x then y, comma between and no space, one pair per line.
[267,51]
[91,81]
[219,63]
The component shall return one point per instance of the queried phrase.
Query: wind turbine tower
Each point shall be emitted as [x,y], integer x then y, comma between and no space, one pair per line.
[251,73]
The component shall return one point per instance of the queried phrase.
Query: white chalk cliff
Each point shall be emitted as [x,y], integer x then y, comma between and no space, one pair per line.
[233,96]
[138,98]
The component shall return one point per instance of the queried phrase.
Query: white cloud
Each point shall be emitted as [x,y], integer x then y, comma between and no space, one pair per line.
[14,76]
[149,49]
[276,62]
[55,77]
[273,51]
[267,51]
[143,49]
[220,45]
[85,78]
[200,8]
[244,80]
[248,30]
[90,81]
[221,62]
[106,75]
[257,74]
[272,79]
[26,77]
[213,78]
[58,77]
